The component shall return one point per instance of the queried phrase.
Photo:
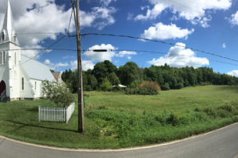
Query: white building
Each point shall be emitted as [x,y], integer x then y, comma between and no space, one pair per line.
[20,76]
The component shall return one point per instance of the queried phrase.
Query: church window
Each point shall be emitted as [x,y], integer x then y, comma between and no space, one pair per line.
[22,83]
[4,57]
[35,85]
[15,58]
[15,38]
[1,58]
[3,35]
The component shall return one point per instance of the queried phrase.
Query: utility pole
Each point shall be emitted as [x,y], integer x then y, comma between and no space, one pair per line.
[76,6]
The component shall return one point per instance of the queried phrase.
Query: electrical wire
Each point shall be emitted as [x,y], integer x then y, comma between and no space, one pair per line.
[158,41]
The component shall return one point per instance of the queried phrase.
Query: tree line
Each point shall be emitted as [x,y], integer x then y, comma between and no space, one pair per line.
[105,75]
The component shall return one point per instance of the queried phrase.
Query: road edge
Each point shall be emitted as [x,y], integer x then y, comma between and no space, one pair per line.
[116,150]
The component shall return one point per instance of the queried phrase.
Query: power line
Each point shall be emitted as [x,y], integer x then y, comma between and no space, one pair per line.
[41,49]
[118,50]
[70,19]
[37,33]
[158,41]
[49,46]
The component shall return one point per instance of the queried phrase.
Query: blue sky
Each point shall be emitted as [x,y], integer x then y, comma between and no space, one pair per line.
[206,25]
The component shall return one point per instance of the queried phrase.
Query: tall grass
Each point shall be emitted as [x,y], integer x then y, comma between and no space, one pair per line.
[115,120]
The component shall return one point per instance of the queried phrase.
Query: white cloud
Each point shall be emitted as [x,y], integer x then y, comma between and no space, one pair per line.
[35,21]
[100,56]
[103,16]
[161,31]
[192,10]
[234,18]
[34,16]
[151,13]
[180,56]
[55,66]
[107,2]
[86,65]
[127,54]
[233,73]
[107,52]
[224,45]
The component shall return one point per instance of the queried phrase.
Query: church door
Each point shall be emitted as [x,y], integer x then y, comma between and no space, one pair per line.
[2,91]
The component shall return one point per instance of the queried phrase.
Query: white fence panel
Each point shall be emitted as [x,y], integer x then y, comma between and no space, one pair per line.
[70,111]
[56,114]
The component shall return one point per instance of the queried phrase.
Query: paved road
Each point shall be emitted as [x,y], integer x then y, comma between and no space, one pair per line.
[221,143]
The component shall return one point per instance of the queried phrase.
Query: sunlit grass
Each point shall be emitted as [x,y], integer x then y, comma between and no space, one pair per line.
[114,120]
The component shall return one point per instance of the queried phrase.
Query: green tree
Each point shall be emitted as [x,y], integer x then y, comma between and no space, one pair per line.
[112,77]
[103,69]
[129,73]
[106,85]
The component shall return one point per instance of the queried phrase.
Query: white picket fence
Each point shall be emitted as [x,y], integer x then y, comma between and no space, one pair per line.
[56,114]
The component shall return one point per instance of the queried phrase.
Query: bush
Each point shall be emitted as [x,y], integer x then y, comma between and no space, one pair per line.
[154,86]
[145,88]
[165,86]
[106,85]
[58,93]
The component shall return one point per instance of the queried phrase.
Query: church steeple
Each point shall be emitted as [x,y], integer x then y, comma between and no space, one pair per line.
[8,32]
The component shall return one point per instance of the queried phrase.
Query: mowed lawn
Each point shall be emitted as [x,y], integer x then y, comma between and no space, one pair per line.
[116,120]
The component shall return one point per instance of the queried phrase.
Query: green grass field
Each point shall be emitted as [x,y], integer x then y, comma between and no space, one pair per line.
[115,120]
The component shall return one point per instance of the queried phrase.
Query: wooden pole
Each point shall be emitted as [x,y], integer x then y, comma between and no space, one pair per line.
[80,73]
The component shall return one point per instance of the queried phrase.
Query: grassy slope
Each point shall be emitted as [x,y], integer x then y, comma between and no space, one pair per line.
[116,120]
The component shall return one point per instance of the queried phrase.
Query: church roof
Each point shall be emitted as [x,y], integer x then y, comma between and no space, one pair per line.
[36,70]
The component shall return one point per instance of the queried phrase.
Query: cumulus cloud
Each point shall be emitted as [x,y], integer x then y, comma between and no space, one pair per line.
[190,10]
[99,53]
[103,16]
[106,52]
[55,66]
[234,18]
[86,65]
[151,13]
[127,54]
[34,16]
[161,31]
[180,56]
[107,2]
[233,73]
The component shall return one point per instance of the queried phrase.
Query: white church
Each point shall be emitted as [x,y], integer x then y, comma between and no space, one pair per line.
[20,77]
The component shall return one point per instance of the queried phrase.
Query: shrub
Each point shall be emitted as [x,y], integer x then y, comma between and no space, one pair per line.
[145,88]
[106,85]
[58,93]
[165,86]
[154,86]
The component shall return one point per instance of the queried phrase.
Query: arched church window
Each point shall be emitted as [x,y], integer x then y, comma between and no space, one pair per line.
[3,36]
[15,38]
[15,58]
[4,57]
[1,58]
[22,83]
